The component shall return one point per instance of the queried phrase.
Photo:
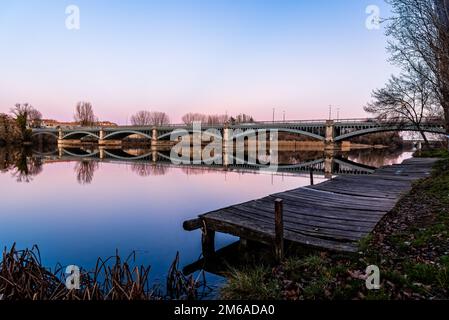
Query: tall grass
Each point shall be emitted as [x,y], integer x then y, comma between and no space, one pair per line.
[23,277]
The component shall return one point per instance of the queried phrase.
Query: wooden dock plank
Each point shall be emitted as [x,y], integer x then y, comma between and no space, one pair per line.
[333,215]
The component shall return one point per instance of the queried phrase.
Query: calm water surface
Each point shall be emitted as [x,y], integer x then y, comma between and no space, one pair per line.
[79,211]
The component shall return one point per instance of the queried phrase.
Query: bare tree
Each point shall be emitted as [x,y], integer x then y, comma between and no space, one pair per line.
[21,109]
[141,118]
[189,118]
[150,118]
[34,118]
[242,118]
[27,114]
[217,119]
[159,118]
[419,31]
[407,97]
[84,114]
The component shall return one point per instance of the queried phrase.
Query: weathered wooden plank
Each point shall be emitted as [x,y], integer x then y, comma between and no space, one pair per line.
[192,224]
[316,228]
[258,221]
[265,236]
[296,215]
[333,215]
[345,201]
[309,212]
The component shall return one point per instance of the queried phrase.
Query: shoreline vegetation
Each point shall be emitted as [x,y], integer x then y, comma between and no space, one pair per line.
[410,246]
[23,277]
[10,133]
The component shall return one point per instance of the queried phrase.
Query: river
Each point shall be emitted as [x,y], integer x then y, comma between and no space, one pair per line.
[79,210]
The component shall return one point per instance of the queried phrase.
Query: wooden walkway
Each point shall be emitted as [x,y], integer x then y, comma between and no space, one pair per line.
[335,214]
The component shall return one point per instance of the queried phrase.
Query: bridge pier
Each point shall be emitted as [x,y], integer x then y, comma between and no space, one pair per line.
[101,141]
[329,163]
[227,146]
[154,137]
[102,154]
[60,137]
[154,156]
[329,142]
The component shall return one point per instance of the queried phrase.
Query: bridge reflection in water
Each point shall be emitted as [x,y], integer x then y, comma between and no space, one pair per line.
[156,162]
[327,163]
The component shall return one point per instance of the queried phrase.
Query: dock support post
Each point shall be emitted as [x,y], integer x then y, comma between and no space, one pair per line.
[208,242]
[311,176]
[279,229]
[243,244]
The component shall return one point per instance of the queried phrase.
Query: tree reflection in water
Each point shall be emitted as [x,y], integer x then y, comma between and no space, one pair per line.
[149,169]
[25,166]
[85,170]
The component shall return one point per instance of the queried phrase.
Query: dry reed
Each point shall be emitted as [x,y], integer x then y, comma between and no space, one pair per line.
[23,277]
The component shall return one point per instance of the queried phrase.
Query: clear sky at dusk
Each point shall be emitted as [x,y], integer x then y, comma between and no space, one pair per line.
[202,56]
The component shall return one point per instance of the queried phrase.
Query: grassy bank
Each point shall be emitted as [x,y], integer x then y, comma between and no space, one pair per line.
[410,246]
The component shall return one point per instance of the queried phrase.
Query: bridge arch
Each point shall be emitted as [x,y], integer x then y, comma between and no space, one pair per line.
[83,133]
[85,155]
[296,131]
[48,133]
[189,130]
[357,133]
[248,130]
[130,158]
[126,133]
[45,153]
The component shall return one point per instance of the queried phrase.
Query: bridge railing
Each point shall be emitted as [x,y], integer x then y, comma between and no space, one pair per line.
[396,121]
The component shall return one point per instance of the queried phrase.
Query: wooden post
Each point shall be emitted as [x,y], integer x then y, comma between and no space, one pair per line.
[243,243]
[311,176]
[207,242]
[279,229]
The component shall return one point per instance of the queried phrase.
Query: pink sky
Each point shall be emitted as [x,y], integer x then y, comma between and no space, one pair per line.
[209,57]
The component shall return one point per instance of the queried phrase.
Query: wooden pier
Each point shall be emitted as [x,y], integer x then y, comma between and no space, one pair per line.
[334,215]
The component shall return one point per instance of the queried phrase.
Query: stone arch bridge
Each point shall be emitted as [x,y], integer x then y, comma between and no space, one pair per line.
[331,132]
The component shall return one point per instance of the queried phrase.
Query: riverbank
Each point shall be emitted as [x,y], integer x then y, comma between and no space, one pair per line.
[410,246]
